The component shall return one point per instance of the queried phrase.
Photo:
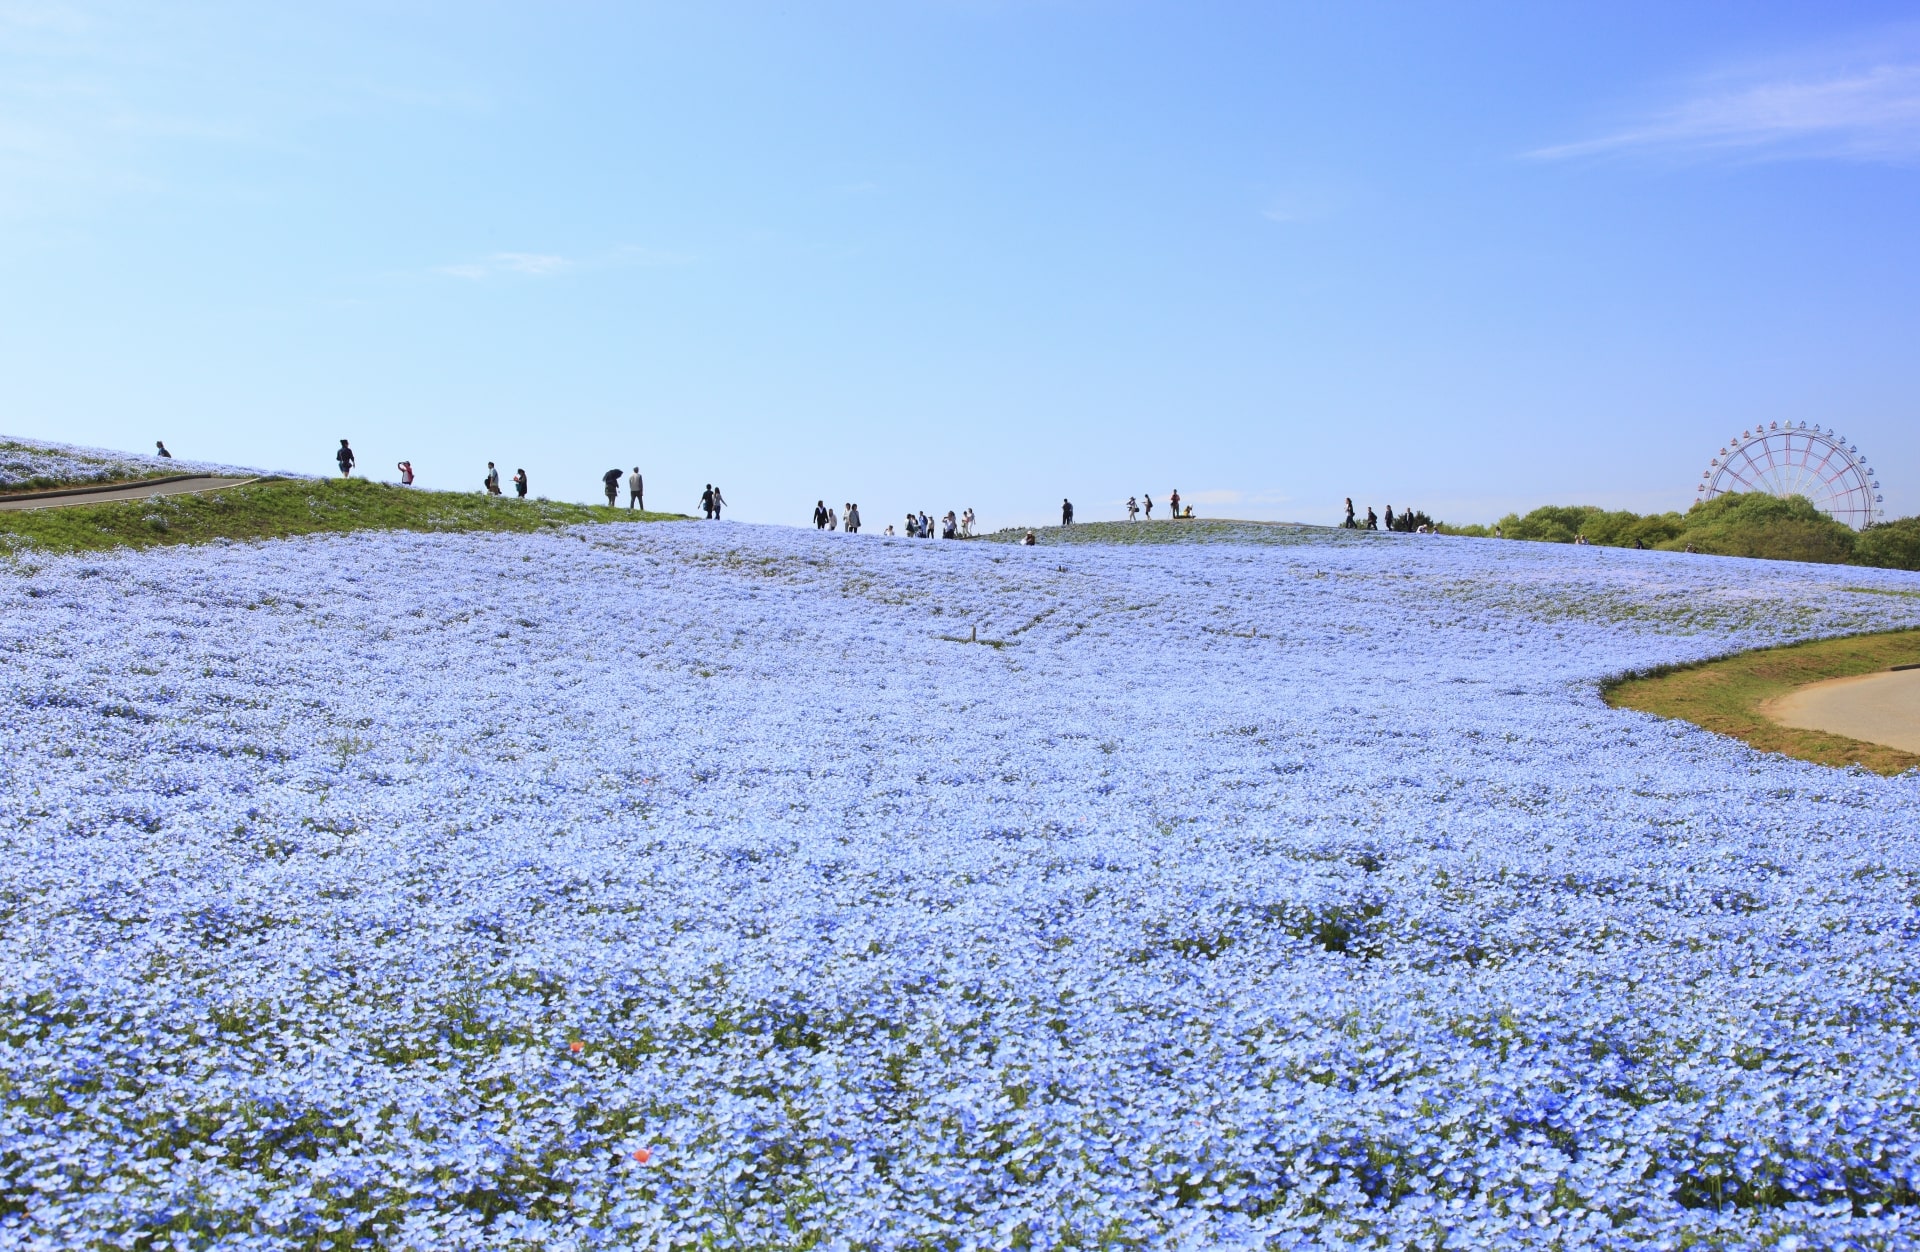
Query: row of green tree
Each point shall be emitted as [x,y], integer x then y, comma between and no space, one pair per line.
[1743,524]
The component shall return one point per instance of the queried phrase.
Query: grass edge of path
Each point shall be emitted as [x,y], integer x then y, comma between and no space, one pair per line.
[1724,695]
[285,508]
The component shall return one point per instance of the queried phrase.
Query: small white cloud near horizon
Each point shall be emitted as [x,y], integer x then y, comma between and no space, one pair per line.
[1870,114]
[529,264]
[547,264]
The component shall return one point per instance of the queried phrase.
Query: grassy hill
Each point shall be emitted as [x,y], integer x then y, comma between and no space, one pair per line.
[275,509]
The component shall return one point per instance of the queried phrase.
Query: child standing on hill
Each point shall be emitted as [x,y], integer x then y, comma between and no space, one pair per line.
[406,473]
[344,458]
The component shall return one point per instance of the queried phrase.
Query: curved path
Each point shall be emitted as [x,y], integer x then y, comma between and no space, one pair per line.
[1881,708]
[66,497]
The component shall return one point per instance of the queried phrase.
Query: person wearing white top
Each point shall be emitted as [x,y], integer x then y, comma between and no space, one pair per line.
[636,491]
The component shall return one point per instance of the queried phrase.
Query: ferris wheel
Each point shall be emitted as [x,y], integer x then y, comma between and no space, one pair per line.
[1798,460]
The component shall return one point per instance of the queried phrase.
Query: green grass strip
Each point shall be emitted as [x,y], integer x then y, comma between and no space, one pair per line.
[277,509]
[1725,695]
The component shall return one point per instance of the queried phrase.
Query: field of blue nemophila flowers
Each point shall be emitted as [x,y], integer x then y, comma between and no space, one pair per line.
[936,895]
[26,462]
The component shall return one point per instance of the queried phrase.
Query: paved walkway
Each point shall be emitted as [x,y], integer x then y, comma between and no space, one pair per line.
[67,497]
[1880,708]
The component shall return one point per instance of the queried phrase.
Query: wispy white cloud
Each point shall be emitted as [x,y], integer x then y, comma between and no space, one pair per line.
[1867,112]
[525,264]
[548,264]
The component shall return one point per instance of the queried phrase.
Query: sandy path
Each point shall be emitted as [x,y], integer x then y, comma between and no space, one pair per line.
[68,497]
[1879,708]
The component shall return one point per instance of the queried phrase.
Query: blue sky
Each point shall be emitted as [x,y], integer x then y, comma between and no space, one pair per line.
[1469,258]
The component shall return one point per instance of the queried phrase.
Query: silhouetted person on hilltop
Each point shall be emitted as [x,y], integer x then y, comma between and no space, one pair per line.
[344,458]
[1174,501]
[492,483]
[636,491]
[819,514]
[520,483]
[1066,512]
[1373,519]
[160,449]
[1148,501]
[719,502]
[1349,524]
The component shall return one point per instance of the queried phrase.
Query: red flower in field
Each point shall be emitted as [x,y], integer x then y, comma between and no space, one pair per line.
[642,1155]
[575,1046]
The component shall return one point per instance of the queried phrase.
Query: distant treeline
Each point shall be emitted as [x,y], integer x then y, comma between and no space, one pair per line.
[1743,524]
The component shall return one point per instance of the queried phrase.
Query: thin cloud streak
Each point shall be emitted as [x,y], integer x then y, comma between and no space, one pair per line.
[527,264]
[1870,115]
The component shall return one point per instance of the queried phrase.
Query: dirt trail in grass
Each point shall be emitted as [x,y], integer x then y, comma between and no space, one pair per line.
[68,496]
[1877,708]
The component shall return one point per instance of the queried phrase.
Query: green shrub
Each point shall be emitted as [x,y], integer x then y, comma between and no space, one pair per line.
[1755,524]
[1562,523]
[1890,545]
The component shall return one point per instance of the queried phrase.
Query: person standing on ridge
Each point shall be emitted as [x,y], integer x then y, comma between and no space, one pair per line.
[1174,502]
[853,518]
[1148,501]
[520,483]
[1373,519]
[406,473]
[706,502]
[1389,517]
[160,449]
[344,458]
[1066,512]
[1349,524]
[833,520]
[492,483]
[719,501]
[636,491]
[819,514]
[611,481]
[1133,509]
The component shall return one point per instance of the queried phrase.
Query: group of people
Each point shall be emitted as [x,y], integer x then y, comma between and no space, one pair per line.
[636,485]
[952,526]
[1173,502]
[825,518]
[636,489]
[1408,522]
[491,483]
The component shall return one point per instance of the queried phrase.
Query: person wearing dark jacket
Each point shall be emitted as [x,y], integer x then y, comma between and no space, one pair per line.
[1066,512]
[344,458]
[611,480]
[819,514]
[160,447]
[520,483]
